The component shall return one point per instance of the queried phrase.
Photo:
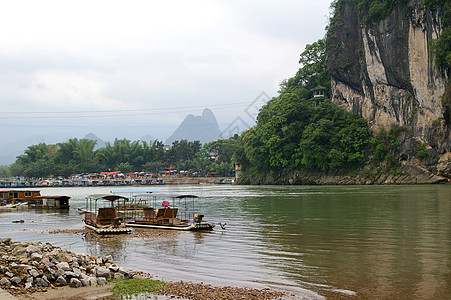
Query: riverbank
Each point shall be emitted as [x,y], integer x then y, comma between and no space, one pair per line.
[33,270]
[405,174]
[171,180]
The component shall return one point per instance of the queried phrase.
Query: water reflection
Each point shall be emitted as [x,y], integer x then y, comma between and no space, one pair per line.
[64,212]
[99,245]
[383,242]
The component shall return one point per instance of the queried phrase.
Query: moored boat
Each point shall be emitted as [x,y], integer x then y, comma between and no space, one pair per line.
[176,212]
[58,202]
[102,216]
[13,197]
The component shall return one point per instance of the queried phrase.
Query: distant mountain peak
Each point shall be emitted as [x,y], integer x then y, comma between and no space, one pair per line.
[100,143]
[209,116]
[202,128]
[91,136]
[148,138]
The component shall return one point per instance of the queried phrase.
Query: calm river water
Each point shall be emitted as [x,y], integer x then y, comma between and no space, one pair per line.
[379,242]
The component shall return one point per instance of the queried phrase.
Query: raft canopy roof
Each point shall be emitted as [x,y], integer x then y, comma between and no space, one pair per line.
[143,193]
[52,197]
[134,191]
[186,196]
[176,196]
[109,197]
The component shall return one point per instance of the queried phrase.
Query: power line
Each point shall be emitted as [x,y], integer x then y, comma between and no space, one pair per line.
[126,110]
[126,113]
[87,126]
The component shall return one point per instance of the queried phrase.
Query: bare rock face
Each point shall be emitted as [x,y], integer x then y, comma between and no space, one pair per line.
[384,72]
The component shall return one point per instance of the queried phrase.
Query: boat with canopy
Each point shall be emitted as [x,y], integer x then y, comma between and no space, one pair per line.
[176,212]
[102,216]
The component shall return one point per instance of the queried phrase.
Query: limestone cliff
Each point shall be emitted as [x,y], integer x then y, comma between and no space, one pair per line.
[383,72]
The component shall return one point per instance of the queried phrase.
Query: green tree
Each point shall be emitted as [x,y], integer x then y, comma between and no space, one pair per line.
[66,152]
[34,153]
[152,166]
[312,73]
[223,149]
[17,169]
[85,157]
[183,150]
[124,167]
[5,171]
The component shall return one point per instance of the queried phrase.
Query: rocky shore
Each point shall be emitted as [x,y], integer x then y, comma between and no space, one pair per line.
[34,266]
[29,269]
[405,174]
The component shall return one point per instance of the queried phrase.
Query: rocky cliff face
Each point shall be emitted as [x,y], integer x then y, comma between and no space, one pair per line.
[383,72]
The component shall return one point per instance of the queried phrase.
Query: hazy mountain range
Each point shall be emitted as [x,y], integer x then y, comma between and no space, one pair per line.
[202,128]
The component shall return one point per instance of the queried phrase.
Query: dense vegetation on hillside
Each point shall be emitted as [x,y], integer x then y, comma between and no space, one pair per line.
[294,131]
[441,48]
[78,156]
[370,10]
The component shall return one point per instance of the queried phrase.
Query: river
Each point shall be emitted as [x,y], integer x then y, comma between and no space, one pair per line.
[378,242]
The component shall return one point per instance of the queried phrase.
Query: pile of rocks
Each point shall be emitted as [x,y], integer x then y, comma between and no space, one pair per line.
[34,264]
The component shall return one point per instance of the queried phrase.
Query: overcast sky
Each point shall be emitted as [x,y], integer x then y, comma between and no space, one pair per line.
[130,68]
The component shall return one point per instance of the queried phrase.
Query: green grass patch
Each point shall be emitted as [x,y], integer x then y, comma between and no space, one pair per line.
[125,288]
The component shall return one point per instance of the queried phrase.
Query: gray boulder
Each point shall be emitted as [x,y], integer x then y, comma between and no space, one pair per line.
[101,281]
[5,282]
[19,252]
[103,272]
[92,280]
[61,280]
[107,259]
[63,266]
[33,249]
[75,283]
[114,268]
[42,281]
[16,280]
[70,274]
[59,272]
[6,241]
[33,272]
[86,281]
[24,268]
[35,256]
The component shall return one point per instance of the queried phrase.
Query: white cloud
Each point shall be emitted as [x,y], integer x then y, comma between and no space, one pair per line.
[63,90]
[109,54]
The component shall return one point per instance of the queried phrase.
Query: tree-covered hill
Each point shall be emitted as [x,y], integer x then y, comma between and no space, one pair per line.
[296,131]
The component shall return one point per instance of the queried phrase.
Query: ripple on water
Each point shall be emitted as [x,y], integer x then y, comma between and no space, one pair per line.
[333,239]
